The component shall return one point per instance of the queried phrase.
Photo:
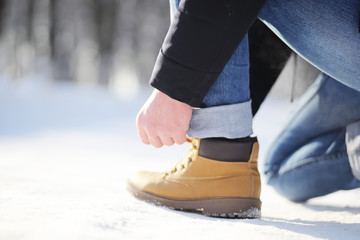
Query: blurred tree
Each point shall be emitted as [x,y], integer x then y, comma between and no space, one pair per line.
[88,41]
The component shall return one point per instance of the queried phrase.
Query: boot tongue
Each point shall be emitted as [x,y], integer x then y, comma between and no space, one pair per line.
[228,150]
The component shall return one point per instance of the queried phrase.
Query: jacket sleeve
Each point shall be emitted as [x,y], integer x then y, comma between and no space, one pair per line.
[201,39]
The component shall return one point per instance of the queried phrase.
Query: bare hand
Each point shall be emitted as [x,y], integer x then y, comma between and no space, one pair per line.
[163,120]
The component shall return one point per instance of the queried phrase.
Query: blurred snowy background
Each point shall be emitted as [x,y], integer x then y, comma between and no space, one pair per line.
[73,74]
[109,42]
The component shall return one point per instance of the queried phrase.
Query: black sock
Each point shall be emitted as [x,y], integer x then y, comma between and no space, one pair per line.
[227,150]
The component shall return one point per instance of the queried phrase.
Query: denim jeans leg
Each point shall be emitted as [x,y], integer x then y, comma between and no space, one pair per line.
[309,157]
[227,106]
[324,32]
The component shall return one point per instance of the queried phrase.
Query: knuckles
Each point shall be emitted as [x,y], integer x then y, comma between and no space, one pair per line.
[171,130]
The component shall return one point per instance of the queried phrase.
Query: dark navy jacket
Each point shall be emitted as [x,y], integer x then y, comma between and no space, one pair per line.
[201,39]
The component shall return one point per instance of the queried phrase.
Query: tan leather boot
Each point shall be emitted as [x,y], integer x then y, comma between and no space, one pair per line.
[196,183]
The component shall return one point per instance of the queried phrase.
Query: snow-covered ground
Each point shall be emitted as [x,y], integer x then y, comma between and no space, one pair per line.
[66,153]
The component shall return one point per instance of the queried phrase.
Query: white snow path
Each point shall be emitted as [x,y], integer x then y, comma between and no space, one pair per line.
[65,156]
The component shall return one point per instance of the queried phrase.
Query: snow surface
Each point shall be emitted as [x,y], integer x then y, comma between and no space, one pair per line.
[66,153]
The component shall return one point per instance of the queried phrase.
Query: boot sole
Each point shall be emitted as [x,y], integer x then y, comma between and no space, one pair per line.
[226,207]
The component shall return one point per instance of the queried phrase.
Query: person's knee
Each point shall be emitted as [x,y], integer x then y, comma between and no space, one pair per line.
[288,189]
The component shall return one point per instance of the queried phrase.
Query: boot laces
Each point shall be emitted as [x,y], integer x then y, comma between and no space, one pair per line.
[190,156]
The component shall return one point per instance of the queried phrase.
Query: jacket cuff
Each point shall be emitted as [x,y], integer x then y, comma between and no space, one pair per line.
[173,78]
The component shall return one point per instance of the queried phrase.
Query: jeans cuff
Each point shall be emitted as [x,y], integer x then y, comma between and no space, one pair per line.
[229,121]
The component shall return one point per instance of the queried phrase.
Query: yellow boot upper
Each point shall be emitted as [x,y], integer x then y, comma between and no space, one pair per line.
[197,177]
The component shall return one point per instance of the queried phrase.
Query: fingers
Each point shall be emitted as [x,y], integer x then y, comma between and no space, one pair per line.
[160,141]
[155,141]
[158,121]
[143,136]
[179,139]
[149,136]
[168,141]
[148,139]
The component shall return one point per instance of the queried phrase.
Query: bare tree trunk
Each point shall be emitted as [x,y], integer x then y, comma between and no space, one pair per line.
[16,51]
[86,45]
[106,15]
[152,24]
[124,76]
[63,38]
[41,29]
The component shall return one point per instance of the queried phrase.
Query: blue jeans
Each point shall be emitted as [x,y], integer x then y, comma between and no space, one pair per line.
[309,157]
[305,159]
